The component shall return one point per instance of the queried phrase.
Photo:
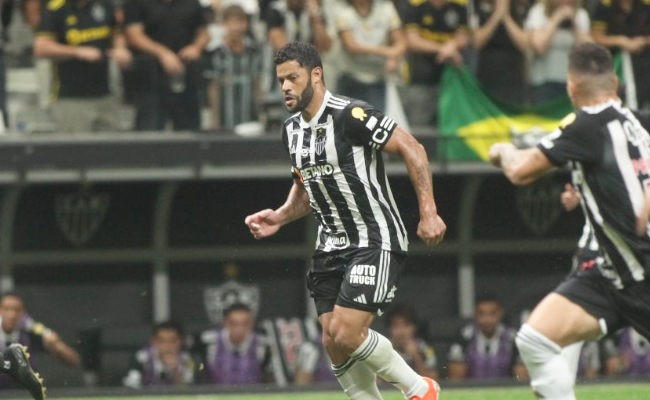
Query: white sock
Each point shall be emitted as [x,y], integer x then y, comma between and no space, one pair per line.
[550,374]
[377,352]
[571,354]
[358,381]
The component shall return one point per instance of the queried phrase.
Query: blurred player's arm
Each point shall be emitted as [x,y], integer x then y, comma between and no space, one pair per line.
[431,228]
[521,166]
[570,198]
[60,350]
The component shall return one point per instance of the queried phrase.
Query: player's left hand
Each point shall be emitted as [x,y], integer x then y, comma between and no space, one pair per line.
[432,230]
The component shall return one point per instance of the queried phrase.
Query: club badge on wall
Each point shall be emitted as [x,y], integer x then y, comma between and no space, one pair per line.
[219,298]
[79,215]
[539,205]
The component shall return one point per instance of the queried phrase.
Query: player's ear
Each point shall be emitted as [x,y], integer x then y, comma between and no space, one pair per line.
[317,75]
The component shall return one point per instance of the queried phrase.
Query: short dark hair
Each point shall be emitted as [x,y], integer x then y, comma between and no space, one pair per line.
[12,294]
[487,297]
[169,325]
[402,310]
[304,53]
[590,59]
[234,11]
[236,307]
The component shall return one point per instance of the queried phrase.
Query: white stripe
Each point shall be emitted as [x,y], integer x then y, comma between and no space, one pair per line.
[380,196]
[624,163]
[401,234]
[384,122]
[380,274]
[590,202]
[340,100]
[360,165]
[344,187]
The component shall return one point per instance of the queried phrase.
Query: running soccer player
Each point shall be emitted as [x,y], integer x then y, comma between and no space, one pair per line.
[335,146]
[608,147]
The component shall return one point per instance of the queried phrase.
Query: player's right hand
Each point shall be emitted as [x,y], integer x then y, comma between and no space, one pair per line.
[432,230]
[263,224]
[570,198]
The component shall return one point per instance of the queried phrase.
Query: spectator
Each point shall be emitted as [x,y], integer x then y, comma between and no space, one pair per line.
[313,365]
[373,43]
[170,37]
[436,33]
[236,353]
[500,42]
[486,347]
[553,26]
[163,362]
[297,20]
[624,25]
[633,353]
[80,36]
[403,333]
[18,327]
[236,68]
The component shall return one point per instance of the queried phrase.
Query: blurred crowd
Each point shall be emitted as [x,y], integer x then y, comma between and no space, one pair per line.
[207,64]
[241,351]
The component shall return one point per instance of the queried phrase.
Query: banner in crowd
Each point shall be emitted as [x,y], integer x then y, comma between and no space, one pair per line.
[470,121]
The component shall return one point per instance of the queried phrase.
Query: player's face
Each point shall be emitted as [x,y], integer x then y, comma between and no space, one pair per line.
[12,310]
[488,316]
[167,342]
[295,82]
[240,325]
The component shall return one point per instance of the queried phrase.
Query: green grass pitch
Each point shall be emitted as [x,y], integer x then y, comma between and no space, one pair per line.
[632,391]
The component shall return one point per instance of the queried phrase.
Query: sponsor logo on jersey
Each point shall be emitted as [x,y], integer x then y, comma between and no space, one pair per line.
[359,113]
[391,295]
[363,274]
[316,171]
[337,240]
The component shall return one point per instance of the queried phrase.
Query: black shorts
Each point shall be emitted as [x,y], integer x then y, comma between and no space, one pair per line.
[618,308]
[364,279]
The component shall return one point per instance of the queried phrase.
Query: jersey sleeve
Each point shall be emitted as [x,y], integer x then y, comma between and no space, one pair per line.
[274,18]
[458,349]
[577,141]
[49,26]
[602,15]
[364,125]
[133,13]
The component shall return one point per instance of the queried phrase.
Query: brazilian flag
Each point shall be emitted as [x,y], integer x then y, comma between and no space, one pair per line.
[470,121]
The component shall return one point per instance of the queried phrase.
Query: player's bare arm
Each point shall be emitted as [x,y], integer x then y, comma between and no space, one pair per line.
[431,228]
[520,166]
[268,222]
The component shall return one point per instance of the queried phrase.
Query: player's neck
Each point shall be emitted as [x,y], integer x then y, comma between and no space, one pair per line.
[315,104]
[590,101]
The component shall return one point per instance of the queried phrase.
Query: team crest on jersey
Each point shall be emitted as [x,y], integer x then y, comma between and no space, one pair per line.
[452,18]
[98,12]
[320,143]
[359,113]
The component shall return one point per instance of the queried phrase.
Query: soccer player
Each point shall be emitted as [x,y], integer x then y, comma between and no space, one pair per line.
[608,147]
[335,146]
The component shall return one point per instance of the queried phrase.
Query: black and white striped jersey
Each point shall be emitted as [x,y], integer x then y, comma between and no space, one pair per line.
[337,157]
[608,146]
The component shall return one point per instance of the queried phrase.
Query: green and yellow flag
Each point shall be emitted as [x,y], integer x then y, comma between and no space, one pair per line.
[470,121]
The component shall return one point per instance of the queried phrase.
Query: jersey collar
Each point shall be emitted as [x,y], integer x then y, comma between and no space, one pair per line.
[595,109]
[314,121]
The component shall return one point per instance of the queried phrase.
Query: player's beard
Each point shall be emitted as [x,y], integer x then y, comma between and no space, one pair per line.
[304,99]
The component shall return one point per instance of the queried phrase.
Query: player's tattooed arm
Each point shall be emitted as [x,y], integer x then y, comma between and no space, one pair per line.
[521,166]
[268,222]
[296,206]
[431,228]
